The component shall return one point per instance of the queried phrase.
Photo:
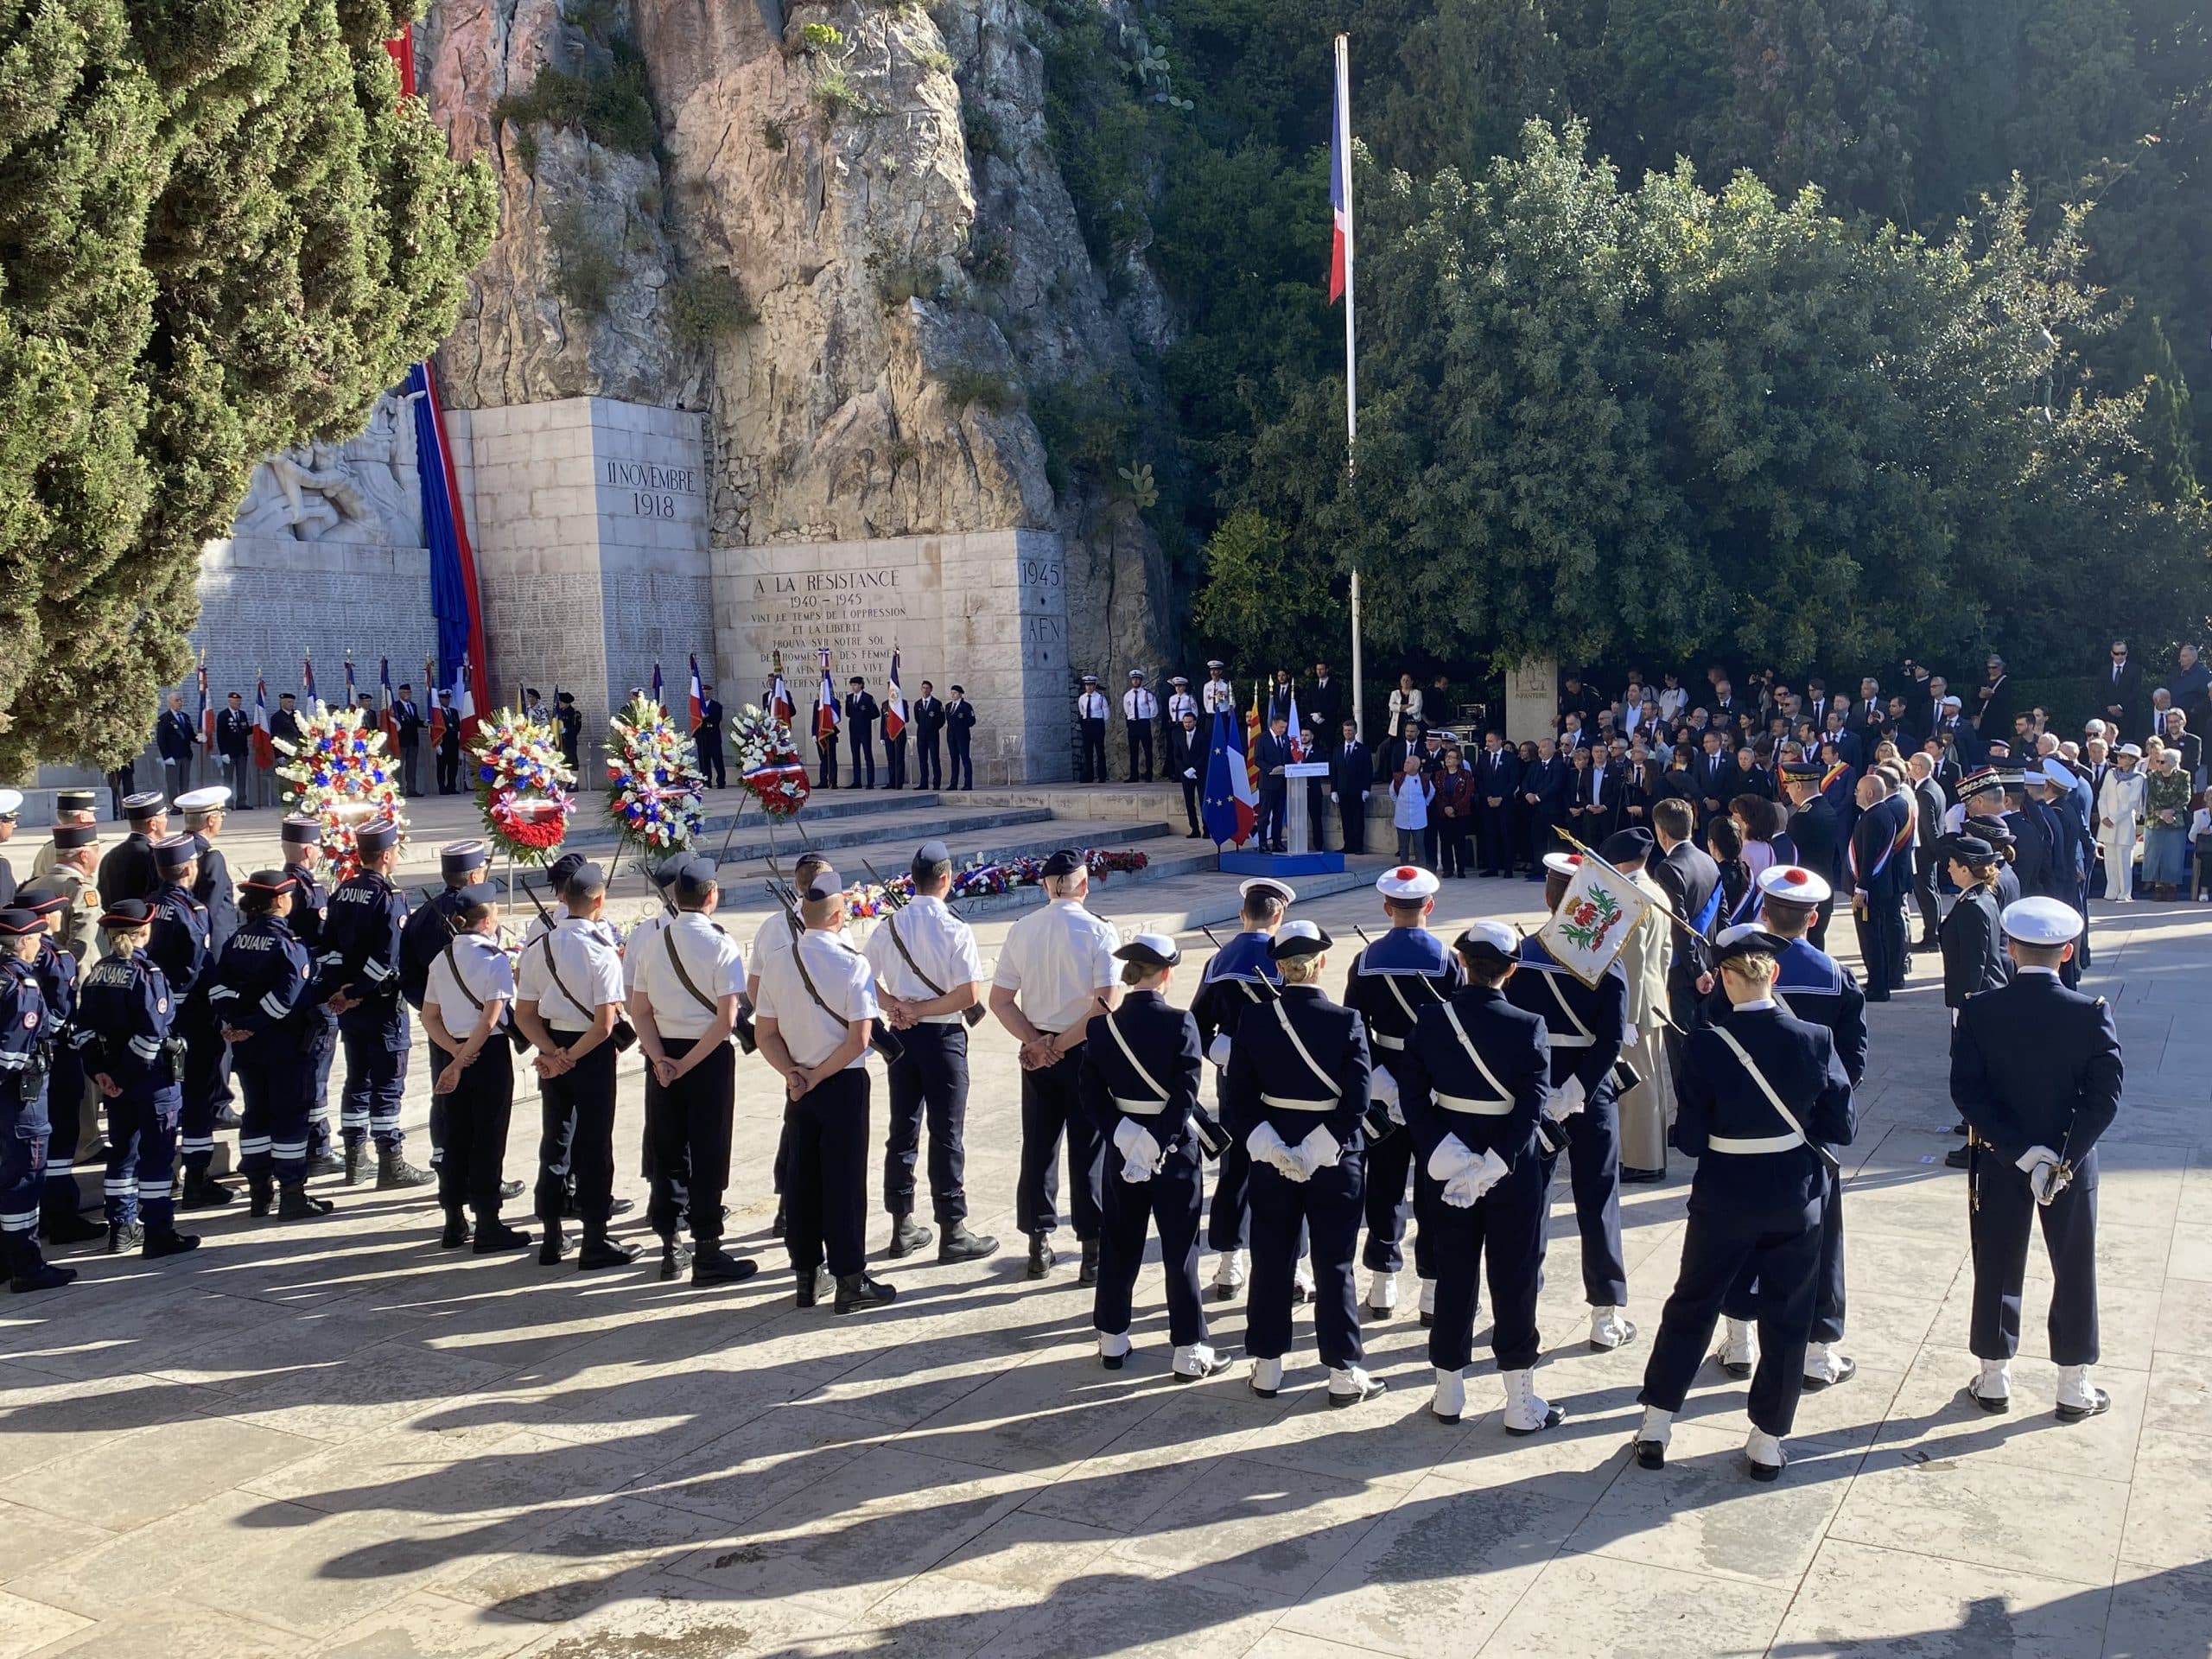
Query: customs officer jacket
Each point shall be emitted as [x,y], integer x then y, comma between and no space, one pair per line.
[2032,1064]
[178,941]
[1270,1080]
[1477,1068]
[125,1013]
[1586,1025]
[360,954]
[26,1039]
[212,888]
[1132,1056]
[429,926]
[263,983]
[1754,1169]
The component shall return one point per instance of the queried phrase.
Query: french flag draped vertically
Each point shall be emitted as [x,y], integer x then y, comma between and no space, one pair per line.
[306,678]
[827,715]
[452,564]
[1297,743]
[264,744]
[698,694]
[658,697]
[1232,803]
[206,712]
[386,718]
[436,721]
[1340,178]
[894,703]
[780,704]
[351,697]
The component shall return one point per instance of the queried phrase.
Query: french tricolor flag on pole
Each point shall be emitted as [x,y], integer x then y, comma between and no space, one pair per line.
[1340,176]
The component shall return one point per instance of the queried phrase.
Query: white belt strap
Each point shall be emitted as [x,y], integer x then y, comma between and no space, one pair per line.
[1475,1108]
[1147,1108]
[1139,1107]
[1501,1096]
[1584,1037]
[1765,1142]
[1383,1040]
[1282,1017]
[1291,1104]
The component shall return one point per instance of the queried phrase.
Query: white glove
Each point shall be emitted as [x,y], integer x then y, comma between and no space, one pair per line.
[1381,1086]
[1332,797]
[1267,1147]
[1137,1170]
[1318,1150]
[1218,1050]
[1136,1143]
[1488,1173]
[1566,1101]
[1451,1160]
[1290,1166]
[2040,1165]
[2047,1183]
[1460,1192]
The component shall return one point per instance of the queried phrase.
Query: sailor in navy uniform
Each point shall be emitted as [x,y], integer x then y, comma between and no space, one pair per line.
[260,990]
[431,926]
[2036,1068]
[125,1019]
[357,974]
[1240,977]
[1091,721]
[1391,981]
[1813,987]
[1295,1094]
[1140,1085]
[180,947]
[27,1034]
[1587,1025]
[1473,1079]
[59,973]
[1762,1095]
[302,842]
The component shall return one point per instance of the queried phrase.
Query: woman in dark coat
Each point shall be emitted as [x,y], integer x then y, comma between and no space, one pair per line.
[1974,944]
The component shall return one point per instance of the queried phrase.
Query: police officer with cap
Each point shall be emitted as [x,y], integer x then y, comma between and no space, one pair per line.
[1295,1094]
[468,997]
[1813,987]
[928,979]
[1392,980]
[129,870]
[1241,975]
[691,978]
[27,1034]
[1139,1083]
[358,976]
[71,860]
[126,1020]
[2036,1068]
[212,885]
[302,842]
[1217,694]
[180,947]
[1587,1024]
[72,808]
[1764,1094]
[1055,971]
[569,1002]
[1473,1079]
[815,1016]
[56,966]
[1815,832]
[429,927]
[260,993]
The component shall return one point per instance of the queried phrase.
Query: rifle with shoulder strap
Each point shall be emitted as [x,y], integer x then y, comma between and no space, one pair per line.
[624,1035]
[881,1038]
[974,1013]
[507,1024]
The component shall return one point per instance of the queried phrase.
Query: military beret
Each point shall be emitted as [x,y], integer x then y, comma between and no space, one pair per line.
[1066,861]
[1490,941]
[460,857]
[173,853]
[1406,884]
[377,836]
[1298,939]
[1154,950]
[2044,922]
[1793,884]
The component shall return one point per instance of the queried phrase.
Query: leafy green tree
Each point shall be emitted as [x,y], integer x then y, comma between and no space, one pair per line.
[222,233]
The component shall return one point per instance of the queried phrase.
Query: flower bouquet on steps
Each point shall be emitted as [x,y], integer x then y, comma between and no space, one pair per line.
[338,774]
[522,785]
[768,763]
[870,899]
[656,796]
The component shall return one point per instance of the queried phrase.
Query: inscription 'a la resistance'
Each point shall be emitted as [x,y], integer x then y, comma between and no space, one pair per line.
[824,581]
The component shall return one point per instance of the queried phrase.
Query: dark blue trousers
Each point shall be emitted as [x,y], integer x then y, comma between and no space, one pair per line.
[324,1050]
[1329,1208]
[1786,1260]
[2003,1213]
[1051,1109]
[206,1067]
[142,1157]
[1594,1151]
[929,1080]
[477,1115]
[826,1196]
[23,1135]
[376,1081]
[1389,1160]
[1173,1198]
[1508,1223]
[1228,1224]
[1828,1310]
[273,1135]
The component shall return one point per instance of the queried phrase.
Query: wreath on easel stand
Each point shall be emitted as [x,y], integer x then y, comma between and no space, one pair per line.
[340,777]
[522,785]
[655,793]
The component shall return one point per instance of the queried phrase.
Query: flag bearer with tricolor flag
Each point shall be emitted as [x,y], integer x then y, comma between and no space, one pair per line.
[895,728]
[827,715]
[706,729]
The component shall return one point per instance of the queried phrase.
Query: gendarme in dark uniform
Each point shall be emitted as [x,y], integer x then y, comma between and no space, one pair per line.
[1140,1085]
[2036,1068]
[359,965]
[1473,1079]
[1761,1094]
[129,871]
[302,841]
[60,1219]
[1391,981]
[1295,1094]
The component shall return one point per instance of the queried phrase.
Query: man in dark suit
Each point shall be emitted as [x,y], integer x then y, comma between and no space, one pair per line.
[449,745]
[959,734]
[2035,1071]
[1712,770]
[1271,754]
[2120,691]
[709,740]
[234,742]
[1324,699]
[407,715]
[1351,779]
[1543,789]
[1691,880]
[1870,715]
[1497,779]
[1187,764]
[1395,747]
[860,716]
[894,747]
[1930,801]
[173,737]
[928,729]
[1993,703]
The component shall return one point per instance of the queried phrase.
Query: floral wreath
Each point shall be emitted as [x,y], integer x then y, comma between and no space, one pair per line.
[522,785]
[655,793]
[978,880]
[768,762]
[340,777]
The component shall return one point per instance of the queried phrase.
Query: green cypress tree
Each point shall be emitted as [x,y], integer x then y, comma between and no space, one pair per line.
[222,233]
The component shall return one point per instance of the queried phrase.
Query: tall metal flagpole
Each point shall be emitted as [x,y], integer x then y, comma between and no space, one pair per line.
[1352,360]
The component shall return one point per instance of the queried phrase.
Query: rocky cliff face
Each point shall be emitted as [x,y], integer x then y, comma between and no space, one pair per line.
[876,179]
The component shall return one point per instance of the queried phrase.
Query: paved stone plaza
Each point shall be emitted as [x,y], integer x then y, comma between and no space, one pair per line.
[336,1438]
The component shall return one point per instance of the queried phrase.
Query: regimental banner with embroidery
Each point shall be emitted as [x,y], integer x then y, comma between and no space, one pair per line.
[1592,924]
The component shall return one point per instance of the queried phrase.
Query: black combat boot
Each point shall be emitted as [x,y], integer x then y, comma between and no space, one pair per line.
[394,1171]
[856,1291]
[293,1203]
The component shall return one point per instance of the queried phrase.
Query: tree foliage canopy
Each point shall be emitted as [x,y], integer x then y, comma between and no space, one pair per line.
[1722,326]
[222,233]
